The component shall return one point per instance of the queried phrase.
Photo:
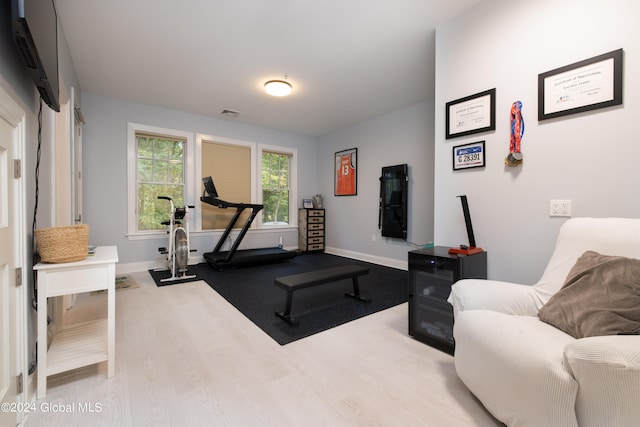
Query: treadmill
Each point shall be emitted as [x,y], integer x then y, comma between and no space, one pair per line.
[225,260]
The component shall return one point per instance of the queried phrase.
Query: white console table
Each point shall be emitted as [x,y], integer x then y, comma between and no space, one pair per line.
[85,343]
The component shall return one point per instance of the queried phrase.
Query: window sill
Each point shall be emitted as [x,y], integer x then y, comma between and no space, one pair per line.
[147,236]
[262,230]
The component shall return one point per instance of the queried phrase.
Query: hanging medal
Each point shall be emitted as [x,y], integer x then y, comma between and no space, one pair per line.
[517,131]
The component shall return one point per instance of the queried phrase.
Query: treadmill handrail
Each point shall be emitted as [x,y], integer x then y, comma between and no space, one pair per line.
[240,207]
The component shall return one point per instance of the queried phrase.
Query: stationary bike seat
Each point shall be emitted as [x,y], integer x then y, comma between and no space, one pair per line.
[180,213]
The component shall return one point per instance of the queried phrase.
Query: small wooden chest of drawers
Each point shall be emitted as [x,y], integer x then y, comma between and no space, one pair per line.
[311,230]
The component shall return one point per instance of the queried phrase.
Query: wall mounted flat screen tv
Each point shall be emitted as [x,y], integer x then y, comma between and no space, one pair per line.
[35,32]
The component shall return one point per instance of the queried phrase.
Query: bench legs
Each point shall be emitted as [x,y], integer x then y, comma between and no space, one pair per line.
[356,291]
[286,314]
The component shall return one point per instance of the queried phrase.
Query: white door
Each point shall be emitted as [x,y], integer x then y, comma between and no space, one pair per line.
[8,302]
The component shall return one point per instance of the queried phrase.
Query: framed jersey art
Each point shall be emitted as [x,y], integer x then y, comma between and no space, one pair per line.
[345,176]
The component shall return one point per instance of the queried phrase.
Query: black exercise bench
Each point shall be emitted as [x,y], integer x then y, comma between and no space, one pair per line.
[315,278]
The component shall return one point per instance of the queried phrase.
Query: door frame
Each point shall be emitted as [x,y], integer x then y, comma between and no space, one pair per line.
[16,116]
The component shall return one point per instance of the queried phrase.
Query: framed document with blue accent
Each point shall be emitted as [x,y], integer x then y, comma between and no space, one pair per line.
[469,156]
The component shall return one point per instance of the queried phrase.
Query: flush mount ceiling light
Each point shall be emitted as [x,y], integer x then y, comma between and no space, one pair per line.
[277,87]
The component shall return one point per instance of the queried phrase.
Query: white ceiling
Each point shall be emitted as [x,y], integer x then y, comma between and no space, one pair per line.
[348,60]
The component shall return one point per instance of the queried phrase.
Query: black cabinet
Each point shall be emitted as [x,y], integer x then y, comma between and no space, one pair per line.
[432,271]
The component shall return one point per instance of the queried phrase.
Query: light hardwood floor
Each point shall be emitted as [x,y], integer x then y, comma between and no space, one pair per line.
[185,357]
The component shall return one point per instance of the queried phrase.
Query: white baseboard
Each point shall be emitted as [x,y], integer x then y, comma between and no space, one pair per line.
[134,267]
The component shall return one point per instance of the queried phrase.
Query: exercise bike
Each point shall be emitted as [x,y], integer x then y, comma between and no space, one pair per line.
[178,250]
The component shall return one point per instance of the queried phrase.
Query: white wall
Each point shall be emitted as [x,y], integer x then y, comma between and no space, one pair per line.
[590,158]
[405,136]
[105,177]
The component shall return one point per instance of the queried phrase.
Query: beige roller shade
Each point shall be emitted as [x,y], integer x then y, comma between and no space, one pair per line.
[230,167]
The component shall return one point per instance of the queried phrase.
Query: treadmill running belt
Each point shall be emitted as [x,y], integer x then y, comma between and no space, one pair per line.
[248,256]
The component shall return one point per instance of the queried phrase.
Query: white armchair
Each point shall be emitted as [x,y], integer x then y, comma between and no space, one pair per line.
[529,373]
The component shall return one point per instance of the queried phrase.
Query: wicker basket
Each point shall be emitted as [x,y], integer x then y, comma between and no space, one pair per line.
[63,244]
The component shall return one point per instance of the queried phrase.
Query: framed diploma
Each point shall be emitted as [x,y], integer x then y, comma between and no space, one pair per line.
[345,173]
[586,85]
[468,156]
[471,114]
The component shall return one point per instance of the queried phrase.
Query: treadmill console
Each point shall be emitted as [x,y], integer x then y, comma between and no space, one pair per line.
[209,187]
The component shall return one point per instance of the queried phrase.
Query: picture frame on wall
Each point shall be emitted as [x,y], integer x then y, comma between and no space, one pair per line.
[469,156]
[582,86]
[346,172]
[471,114]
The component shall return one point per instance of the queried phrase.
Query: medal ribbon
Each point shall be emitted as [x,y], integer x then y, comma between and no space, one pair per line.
[517,126]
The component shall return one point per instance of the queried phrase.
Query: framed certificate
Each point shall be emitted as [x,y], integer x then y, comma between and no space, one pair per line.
[471,114]
[468,156]
[583,86]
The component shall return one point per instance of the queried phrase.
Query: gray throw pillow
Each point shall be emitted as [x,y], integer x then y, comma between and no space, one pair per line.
[601,296]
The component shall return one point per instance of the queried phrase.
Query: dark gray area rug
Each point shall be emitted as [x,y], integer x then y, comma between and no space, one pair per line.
[252,292]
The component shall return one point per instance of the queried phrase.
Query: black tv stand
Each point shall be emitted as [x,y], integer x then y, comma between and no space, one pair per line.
[225,260]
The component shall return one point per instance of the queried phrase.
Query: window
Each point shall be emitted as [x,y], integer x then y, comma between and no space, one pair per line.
[249,172]
[168,162]
[276,187]
[160,173]
[157,167]
[277,184]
